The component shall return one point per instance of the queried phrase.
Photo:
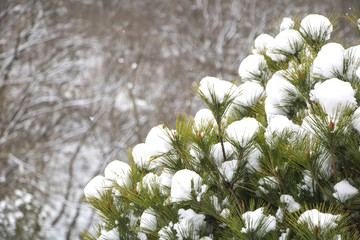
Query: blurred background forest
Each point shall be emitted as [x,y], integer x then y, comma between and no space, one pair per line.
[81,81]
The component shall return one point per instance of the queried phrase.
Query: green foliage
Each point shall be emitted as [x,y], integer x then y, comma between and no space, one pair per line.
[289,170]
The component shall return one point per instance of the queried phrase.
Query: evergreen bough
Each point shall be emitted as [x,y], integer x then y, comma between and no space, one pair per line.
[277,157]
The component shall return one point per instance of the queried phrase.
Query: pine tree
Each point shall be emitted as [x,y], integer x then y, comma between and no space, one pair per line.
[276,157]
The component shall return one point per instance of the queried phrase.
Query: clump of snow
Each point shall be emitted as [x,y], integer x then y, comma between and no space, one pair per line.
[96,187]
[261,43]
[288,41]
[219,89]
[148,220]
[225,213]
[278,91]
[112,234]
[250,93]
[287,23]
[252,66]
[142,156]
[344,190]
[324,221]
[228,169]
[268,182]
[356,119]
[218,153]
[291,204]
[189,225]
[253,163]
[150,182]
[333,94]
[203,118]
[159,140]
[243,131]
[278,124]
[181,185]
[118,171]
[317,27]
[165,178]
[329,62]
[352,55]
[253,219]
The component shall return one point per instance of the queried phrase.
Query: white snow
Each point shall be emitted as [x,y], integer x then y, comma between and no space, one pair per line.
[278,89]
[352,55]
[333,94]
[204,118]
[250,93]
[288,41]
[253,163]
[287,23]
[253,219]
[148,220]
[291,204]
[150,182]
[278,124]
[316,26]
[243,131]
[118,171]
[228,168]
[324,221]
[158,140]
[96,187]
[344,190]
[214,87]
[189,225]
[329,62]
[218,154]
[261,43]
[356,119]
[142,156]
[267,181]
[252,66]
[112,234]
[181,185]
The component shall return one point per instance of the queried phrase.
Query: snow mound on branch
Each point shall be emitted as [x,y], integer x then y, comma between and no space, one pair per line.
[287,23]
[344,190]
[112,234]
[278,124]
[253,163]
[250,93]
[333,94]
[218,154]
[329,62]
[228,169]
[150,181]
[159,140]
[96,187]
[356,119]
[352,55]
[278,91]
[324,221]
[142,156]
[291,204]
[148,220]
[261,43]
[243,131]
[252,66]
[288,41]
[189,225]
[211,87]
[118,171]
[203,118]
[181,185]
[253,219]
[316,27]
